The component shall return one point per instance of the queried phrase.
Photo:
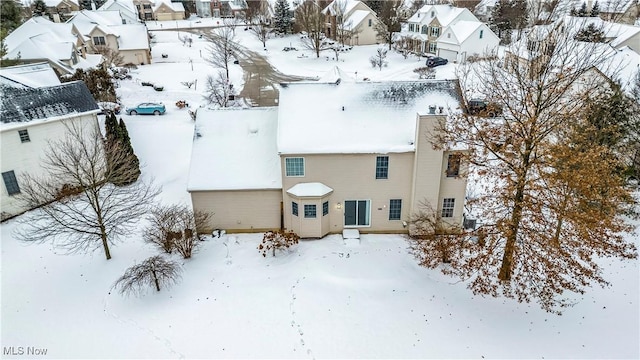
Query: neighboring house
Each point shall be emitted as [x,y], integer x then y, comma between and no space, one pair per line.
[616,34]
[164,10]
[423,32]
[107,30]
[61,10]
[484,10]
[465,38]
[128,10]
[30,116]
[350,22]
[61,45]
[356,155]
[228,8]
[620,11]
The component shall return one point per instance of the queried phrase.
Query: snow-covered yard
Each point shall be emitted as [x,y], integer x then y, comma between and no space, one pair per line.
[324,299]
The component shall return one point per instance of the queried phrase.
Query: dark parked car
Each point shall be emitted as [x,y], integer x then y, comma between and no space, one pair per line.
[436,61]
[147,108]
[482,107]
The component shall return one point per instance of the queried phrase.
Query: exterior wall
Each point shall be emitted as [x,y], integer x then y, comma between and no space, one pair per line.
[308,227]
[25,157]
[352,177]
[163,13]
[628,17]
[430,182]
[474,45]
[633,43]
[240,211]
[365,34]
[140,56]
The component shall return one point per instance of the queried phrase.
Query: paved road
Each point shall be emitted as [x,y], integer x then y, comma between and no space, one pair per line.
[260,78]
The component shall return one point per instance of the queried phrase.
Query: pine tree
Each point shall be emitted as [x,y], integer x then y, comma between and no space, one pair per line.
[590,34]
[125,143]
[583,10]
[10,15]
[595,10]
[40,8]
[282,21]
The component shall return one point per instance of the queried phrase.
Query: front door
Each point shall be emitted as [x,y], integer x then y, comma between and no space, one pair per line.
[356,213]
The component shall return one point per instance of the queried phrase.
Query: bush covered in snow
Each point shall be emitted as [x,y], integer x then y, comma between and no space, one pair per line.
[277,240]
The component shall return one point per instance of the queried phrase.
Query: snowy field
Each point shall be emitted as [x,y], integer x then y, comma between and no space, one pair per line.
[324,299]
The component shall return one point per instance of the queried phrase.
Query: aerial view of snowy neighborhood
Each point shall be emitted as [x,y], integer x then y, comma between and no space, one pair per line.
[320,179]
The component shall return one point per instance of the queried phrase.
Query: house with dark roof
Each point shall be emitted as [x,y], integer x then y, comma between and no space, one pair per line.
[30,116]
[355,156]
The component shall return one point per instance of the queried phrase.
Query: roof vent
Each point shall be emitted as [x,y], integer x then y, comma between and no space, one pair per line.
[432,109]
[440,109]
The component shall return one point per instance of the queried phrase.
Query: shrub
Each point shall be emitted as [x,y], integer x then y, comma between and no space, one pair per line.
[154,272]
[425,72]
[277,240]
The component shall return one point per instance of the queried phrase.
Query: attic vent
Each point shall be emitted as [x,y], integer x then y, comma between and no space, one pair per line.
[440,109]
[253,131]
[432,109]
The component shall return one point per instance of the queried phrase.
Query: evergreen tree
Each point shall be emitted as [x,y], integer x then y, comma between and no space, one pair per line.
[595,10]
[375,5]
[590,34]
[99,82]
[282,17]
[10,15]
[40,8]
[583,10]
[125,143]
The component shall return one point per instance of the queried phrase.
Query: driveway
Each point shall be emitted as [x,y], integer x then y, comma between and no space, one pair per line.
[261,79]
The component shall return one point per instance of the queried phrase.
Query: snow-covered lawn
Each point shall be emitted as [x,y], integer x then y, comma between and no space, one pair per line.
[324,299]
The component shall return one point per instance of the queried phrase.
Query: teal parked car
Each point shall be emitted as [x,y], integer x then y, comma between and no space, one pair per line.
[147,108]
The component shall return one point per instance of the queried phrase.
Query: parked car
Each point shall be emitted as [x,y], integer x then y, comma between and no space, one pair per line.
[483,107]
[147,108]
[436,61]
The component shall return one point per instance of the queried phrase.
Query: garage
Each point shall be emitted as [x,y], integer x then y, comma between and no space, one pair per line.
[448,54]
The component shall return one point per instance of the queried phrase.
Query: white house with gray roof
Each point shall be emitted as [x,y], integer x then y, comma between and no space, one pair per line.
[33,113]
[331,156]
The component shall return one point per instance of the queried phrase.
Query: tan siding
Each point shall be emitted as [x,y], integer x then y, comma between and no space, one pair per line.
[240,211]
[25,157]
[352,177]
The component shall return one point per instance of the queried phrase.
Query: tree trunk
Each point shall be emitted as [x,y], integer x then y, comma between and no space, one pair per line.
[155,279]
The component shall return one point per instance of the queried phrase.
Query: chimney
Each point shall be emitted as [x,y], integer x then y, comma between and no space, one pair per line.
[432,109]
[93,5]
[440,109]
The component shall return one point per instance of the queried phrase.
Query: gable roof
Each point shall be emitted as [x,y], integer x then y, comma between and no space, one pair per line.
[356,117]
[235,150]
[124,4]
[615,6]
[446,14]
[20,105]
[332,8]
[461,31]
[29,76]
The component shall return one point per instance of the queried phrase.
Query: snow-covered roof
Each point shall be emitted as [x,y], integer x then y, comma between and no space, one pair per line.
[624,64]
[313,189]
[175,6]
[29,75]
[461,30]
[235,150]
[54,3]
[21,105]
[40,26]
[355,19]
[356,117]
[334,75]
[336,5]
[124,4]
[135,36]
[87,19]
[446,14]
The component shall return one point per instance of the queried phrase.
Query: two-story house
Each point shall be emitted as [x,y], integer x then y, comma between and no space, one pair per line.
[60,44]
[620,11]
[61,10]
[331,156]
[449,32]
[350,22]
[35,110]
[128,10]
[108,30]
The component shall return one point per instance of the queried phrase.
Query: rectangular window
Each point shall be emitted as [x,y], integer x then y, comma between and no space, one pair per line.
[453,165]
[435,31]
[370,22]
[425,29]
[447,207]
[309,211]
[294,208]
[99,40]
[294,166]
[481,33]
[24,136]
[382,167]
[10,182]
[356,213]
[325,208]
[395,209]
[411,27]
[432,47]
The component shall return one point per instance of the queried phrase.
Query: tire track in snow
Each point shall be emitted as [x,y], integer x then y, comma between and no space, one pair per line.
[294,324]
[163,341]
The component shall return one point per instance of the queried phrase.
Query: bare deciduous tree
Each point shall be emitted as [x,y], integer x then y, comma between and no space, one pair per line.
[219,90]
[82,208]
[310,19]
[379,60]
[155,272]
[550,204]
[262,31]
[111,57]
[176,227]
[277,240]
[222,47]
[390,17]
